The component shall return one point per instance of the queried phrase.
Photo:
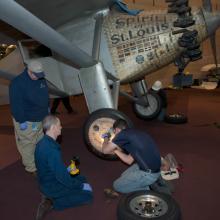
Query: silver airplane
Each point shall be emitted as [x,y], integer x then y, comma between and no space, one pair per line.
[97,45]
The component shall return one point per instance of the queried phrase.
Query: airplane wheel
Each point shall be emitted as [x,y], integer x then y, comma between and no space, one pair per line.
[98,123]
[152,110]
[175,119]
[144,204]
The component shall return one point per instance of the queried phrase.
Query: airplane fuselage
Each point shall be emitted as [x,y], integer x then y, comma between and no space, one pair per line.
[140,45]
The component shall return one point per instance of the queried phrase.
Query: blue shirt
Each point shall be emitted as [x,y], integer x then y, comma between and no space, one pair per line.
[141,147]
[29,99]
[53,177]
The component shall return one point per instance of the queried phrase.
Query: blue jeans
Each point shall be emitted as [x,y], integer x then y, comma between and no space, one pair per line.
[134,179]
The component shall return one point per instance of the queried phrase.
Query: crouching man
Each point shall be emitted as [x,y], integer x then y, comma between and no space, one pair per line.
[59,188]
[138,150]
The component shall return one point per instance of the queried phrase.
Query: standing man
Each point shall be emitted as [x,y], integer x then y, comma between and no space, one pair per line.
[61,190]
[137,149]
[29,102]
[66,102]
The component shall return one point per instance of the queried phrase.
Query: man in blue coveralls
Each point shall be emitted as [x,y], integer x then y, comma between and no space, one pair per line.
[60,188]
[135,148]
[29,102]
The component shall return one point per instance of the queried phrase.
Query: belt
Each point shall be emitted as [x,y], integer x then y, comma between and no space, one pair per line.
[150,170]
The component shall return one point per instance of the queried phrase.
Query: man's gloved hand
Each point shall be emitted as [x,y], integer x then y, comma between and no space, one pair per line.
[106,135]
[87,187]
[69,169]
[23,126]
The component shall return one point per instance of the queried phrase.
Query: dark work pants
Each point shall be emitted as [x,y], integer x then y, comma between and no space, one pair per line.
[65,101]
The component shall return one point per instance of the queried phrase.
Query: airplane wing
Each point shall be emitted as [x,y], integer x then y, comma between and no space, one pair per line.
[56,13]
[40,20]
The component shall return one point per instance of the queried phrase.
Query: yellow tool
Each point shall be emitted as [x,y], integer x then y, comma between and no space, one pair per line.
[73,169]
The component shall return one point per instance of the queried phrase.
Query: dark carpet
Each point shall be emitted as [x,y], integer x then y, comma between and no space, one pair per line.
[194,144]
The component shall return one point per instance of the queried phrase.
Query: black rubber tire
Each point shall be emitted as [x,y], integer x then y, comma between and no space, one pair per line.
[125,212]
[175,119]
[108,114]
[150,112]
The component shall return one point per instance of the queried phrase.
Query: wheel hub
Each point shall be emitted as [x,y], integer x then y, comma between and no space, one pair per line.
[97,129]
[148,206]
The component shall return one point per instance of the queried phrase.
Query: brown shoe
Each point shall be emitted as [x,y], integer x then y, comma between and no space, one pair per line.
[44,207]
[110,193]
[34,173]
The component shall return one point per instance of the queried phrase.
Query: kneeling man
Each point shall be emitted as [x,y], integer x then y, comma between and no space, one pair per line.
[61,190]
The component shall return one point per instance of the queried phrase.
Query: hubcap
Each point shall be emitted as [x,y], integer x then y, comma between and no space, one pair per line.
[97,129]
[150,109]
[148,206]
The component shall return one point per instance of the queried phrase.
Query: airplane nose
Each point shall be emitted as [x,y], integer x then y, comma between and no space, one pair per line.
[212,20]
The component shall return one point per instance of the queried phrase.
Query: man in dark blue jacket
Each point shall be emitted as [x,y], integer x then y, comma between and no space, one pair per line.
[137,149]
[62,190]
[29,102]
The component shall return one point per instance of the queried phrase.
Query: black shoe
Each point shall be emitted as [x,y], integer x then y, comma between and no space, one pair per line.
[44,207]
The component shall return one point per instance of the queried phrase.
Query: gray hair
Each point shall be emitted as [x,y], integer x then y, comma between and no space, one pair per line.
[49,121]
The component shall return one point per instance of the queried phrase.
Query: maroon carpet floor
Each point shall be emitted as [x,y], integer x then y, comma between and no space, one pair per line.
[194,144]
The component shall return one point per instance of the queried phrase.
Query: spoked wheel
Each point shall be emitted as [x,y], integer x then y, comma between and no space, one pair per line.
[144,204]
[150,110]
[98,123]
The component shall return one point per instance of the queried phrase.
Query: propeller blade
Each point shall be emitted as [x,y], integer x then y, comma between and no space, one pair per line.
[207,5]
